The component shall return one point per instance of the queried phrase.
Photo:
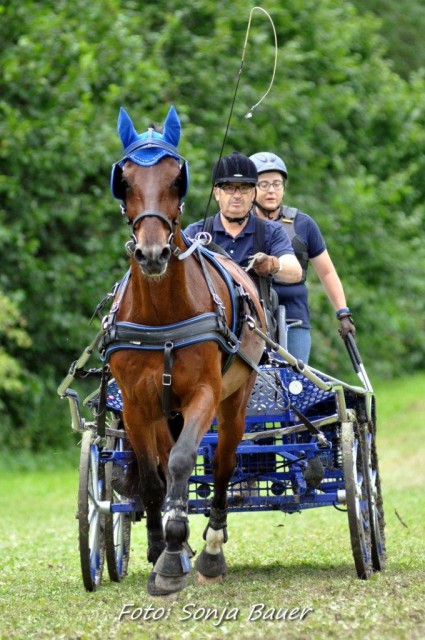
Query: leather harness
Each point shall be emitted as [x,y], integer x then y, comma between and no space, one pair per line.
[119,335]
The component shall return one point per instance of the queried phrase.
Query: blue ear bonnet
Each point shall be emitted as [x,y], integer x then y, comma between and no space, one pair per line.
[148,149]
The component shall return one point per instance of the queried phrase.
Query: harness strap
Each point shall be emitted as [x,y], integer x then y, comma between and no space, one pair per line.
[218,303]
[166,379]
[287,217]
[101,407]
[118,291]
[127,335]
[210,326]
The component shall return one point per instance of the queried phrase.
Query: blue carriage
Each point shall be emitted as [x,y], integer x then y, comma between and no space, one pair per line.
[309,442]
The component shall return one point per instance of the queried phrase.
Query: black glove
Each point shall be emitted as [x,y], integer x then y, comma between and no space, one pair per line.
[346,327]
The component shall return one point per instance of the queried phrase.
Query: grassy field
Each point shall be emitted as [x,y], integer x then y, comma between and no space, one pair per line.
[290,576]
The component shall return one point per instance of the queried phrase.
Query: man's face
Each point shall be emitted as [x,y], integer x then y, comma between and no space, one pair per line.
[233,202]
[270,190]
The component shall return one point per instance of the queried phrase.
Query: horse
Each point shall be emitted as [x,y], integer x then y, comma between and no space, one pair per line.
[177,344]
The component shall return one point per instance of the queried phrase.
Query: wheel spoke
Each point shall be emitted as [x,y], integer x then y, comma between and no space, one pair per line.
[357,500]
[91,530]
[375,502]
[117,525]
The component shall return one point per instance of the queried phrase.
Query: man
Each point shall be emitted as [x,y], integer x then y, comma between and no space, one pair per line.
[235,229]
[264,246]
[309,246]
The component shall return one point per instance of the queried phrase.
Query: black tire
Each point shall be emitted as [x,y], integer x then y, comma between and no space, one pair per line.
[376,504]
[356,492]
[117,524]
[91,491]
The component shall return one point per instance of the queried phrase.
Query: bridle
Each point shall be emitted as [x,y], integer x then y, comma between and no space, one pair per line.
[161,145]
[153,213]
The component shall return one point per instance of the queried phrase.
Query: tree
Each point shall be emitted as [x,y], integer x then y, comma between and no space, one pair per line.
[400,25]
[350,129]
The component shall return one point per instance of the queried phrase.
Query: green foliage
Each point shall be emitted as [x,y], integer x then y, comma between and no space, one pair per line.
[399,23]
[350,129]
[12,332]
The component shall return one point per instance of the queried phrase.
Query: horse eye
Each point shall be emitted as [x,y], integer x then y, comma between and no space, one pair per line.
[124,183]
[177,183]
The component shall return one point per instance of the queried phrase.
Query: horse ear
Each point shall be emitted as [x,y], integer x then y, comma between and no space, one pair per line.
[126,130]
[172,128]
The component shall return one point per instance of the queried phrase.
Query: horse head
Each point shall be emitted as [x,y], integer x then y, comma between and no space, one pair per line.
[151,180]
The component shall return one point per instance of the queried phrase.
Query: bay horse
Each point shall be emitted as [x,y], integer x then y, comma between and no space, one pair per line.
[177,343]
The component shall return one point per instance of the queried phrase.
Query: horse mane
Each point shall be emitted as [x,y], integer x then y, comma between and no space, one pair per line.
[156,127]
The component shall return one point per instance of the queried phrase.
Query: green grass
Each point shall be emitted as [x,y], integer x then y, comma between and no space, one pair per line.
[277,560]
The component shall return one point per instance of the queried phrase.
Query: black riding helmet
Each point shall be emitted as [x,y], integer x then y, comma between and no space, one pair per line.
[234,168]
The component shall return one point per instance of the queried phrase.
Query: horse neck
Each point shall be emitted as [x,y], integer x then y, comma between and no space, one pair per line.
[172,298]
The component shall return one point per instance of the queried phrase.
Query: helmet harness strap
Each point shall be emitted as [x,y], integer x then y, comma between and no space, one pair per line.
[238,221]
[267,212]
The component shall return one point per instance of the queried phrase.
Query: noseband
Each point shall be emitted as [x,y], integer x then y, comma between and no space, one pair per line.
[152,213]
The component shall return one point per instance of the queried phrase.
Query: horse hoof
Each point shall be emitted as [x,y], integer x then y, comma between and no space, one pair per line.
[211,565]
[165,585]
[173,563]
[202,580]
[153,590]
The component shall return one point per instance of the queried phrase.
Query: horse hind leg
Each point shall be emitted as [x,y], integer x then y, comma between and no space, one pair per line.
[156,540]
[151,490]
[211,564]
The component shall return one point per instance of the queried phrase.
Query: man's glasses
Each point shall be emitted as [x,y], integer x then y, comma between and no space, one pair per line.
[231,188]
[265,186]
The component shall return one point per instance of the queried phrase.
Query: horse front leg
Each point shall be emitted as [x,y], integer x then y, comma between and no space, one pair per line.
[171,571]
[150,447]
[211,564]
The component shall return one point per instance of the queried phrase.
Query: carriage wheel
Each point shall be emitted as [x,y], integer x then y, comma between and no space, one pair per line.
[376,505]
[91,491]
[117,525]
[356,491]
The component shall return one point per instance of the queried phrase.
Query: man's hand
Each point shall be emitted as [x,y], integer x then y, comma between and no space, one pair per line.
[346,327]
[264,265]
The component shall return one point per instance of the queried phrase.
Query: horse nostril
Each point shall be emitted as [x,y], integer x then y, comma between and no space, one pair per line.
[166,254]
[139,255]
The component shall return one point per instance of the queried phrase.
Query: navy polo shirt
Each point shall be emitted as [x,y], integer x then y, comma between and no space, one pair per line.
[241,247]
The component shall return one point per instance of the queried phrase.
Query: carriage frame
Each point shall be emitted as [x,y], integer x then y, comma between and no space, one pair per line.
[309,442]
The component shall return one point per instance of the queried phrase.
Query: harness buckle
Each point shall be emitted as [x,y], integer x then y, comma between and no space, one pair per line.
[166,379]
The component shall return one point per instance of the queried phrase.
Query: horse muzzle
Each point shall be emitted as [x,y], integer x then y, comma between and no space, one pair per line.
[153,260]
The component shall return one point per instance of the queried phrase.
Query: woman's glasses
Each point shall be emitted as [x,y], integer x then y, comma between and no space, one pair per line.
[265,186]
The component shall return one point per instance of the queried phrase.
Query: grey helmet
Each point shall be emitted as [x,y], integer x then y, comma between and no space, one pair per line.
[266,161]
